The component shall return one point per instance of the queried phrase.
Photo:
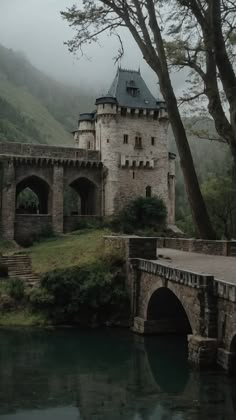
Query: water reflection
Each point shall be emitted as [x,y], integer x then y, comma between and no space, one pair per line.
[66,374]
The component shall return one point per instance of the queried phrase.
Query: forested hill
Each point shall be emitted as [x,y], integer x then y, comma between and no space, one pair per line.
[34,107]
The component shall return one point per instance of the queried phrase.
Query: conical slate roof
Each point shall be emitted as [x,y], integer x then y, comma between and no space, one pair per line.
[131,91]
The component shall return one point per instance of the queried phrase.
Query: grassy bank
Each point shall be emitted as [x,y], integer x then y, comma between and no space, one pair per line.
[70,250]
[80,284]
[22,318]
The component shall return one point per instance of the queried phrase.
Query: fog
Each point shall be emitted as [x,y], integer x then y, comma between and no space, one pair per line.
[36,28]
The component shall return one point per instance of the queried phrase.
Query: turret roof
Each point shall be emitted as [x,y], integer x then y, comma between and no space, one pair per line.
[131,91]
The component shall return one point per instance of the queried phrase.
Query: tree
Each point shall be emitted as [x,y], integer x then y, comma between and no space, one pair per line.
[204,41]
[142,213]
[142,20]
[220,196]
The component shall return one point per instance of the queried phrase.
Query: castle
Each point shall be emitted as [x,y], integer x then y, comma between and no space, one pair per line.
[120,153]
[129,129]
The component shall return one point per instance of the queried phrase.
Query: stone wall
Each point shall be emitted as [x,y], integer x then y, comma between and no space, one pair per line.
[225,248]
[28,227]
[132,246]
[73,222]
[40,151]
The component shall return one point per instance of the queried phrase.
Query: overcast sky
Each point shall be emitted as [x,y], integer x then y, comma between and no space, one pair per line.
[36,28]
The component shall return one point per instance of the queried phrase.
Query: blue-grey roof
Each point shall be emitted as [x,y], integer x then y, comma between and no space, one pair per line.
[87,116]
[131,91]
[106,100]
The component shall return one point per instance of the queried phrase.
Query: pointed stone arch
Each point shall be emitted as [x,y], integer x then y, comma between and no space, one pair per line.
[40,187]
[88,193]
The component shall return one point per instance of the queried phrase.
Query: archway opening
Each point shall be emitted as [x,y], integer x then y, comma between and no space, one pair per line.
[86,203]
[32,196]
[167,314]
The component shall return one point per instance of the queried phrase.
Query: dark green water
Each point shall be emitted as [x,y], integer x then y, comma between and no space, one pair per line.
[96,375]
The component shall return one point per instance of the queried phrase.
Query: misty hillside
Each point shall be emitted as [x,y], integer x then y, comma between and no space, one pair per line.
[34,107]
[210,157]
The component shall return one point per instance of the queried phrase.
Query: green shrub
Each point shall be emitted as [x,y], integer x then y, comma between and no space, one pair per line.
[16,289]
[141,213]
[92,291]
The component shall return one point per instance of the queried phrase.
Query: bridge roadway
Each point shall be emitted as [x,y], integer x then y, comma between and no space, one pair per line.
[222,268]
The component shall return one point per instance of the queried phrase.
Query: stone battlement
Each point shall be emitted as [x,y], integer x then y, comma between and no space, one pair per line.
[37,151]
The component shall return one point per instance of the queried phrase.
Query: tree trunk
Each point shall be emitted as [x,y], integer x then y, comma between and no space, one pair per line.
[226,70]
[197,204]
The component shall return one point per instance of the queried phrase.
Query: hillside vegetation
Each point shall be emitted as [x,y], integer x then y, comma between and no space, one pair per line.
[34,107]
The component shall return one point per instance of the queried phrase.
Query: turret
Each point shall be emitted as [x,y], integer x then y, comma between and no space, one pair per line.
[86,131]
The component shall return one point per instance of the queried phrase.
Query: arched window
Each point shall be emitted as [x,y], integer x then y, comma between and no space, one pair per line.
[148,191]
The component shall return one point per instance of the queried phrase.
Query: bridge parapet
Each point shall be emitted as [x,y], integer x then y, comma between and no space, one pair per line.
[225,290]
[187,278]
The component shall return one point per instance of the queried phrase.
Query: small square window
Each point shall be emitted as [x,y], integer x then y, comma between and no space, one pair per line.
[126,138]
[108,141]
[153,141]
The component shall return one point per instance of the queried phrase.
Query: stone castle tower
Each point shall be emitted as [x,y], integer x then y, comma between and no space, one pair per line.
[129,129]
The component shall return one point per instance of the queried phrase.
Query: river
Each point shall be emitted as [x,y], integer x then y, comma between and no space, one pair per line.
[68,374]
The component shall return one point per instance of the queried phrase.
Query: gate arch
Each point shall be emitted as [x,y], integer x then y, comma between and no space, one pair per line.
[88,193]
[40,188]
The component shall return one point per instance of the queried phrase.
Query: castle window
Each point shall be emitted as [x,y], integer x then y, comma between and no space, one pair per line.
[103,105]
[148,191]
[108,140]
[138,142]
[133,175]
[153,141]
[155,115]
[127,163]
[89,145]
[123,111]
[126,137]
[132,112]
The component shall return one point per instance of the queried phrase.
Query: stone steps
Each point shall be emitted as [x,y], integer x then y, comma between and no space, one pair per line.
[20,266]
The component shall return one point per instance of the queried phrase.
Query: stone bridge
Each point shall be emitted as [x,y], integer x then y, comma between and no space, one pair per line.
[48,171]
[167,298]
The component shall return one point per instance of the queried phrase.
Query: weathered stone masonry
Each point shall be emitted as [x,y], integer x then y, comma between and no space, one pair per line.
[208,305]
[47,171]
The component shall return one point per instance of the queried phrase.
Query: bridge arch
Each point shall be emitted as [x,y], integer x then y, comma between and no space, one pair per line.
[233,354]
[168,313]
[87,191]
[40,189]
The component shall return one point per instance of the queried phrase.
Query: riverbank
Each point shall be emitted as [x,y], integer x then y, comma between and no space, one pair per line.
[80,283]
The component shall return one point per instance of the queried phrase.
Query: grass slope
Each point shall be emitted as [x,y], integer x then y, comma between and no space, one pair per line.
[68,250]
[23,118]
